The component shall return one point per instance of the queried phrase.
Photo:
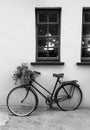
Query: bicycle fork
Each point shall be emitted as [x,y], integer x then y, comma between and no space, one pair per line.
[27,91]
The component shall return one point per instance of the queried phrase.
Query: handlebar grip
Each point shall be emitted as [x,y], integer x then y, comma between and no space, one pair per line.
[37,72]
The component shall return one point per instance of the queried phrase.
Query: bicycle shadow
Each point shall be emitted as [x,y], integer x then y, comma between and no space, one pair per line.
[46,109]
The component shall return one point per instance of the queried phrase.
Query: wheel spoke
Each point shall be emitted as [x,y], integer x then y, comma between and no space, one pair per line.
[71,102]
[21,101]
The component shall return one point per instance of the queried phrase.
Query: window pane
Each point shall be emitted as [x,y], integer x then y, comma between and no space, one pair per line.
[48,43]
[86,29]
[52,41]
[43,17]
[85,52]
[86,47]
[42,52]
[42,41]
[86,41]
[53,17]
[87,17]
[42,29]
[53,52]
[53,29]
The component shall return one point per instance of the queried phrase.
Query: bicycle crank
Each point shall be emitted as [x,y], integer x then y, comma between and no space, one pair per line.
[49,101]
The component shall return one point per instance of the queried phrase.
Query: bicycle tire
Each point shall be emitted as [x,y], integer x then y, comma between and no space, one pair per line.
[22,101]
[68,104]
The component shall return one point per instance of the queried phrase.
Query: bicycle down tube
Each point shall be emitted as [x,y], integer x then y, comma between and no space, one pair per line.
[44,89]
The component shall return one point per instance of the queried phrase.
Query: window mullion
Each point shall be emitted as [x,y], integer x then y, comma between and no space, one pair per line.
[47,33]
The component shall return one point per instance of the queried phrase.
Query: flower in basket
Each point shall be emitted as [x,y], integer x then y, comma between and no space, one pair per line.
[23,74]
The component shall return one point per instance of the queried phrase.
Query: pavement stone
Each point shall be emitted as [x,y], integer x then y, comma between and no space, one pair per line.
[50,119]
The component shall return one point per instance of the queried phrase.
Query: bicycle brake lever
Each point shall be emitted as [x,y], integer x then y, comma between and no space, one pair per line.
[37,72]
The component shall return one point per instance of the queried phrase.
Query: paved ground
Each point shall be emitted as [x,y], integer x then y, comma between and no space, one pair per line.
[46,119]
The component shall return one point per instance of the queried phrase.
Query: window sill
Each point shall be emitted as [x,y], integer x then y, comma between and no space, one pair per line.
[47,63]
[83,63]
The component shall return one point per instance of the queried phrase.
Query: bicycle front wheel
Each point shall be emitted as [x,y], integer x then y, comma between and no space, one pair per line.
[22,101]
[69,97]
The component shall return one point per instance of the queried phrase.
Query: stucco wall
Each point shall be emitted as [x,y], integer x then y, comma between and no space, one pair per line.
[17,43]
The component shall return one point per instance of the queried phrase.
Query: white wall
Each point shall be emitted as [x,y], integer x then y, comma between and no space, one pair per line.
[17,43]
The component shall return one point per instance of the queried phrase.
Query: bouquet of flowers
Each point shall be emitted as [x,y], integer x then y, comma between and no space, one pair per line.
[23,74]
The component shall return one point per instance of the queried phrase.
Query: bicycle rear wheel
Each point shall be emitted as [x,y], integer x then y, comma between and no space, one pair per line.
[22,101]
[68,97]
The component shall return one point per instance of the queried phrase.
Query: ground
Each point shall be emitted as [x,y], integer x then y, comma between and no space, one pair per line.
[48,119]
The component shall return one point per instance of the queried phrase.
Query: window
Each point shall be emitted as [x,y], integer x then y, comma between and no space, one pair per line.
[47,34]
[85,55]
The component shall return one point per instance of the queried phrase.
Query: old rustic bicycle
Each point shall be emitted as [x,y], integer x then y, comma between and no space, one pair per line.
[23,100]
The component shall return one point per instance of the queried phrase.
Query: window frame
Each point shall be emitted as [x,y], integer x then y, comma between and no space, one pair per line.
[58,23]
[84,23]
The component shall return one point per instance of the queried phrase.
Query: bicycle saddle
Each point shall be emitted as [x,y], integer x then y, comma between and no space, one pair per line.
[58,75]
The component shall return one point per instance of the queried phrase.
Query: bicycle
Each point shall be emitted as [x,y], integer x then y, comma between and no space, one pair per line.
[23,100]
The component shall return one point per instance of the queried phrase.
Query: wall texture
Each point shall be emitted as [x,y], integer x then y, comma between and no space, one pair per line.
[18,43]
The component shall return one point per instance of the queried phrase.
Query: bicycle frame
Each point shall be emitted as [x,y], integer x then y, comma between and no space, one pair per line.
[52,94]
[63,94]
